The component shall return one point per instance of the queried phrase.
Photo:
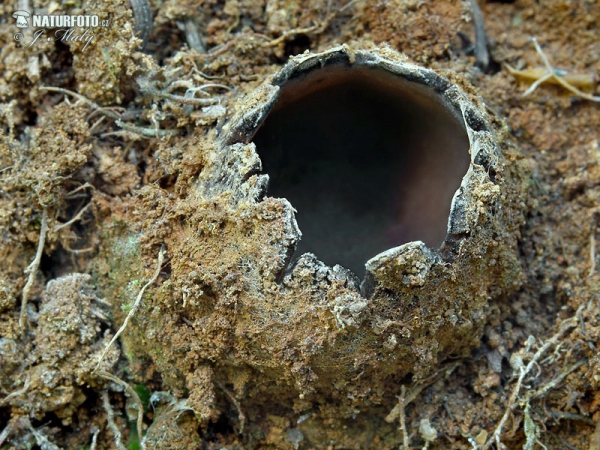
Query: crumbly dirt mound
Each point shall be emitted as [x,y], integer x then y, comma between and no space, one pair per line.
[111,154]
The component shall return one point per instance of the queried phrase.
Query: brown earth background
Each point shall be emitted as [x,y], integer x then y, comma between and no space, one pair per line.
[106,178]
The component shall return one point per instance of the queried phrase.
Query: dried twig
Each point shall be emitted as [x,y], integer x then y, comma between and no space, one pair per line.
[558,415]
[293,32]
[16,393]
[77,189]
[405,398]
[556,381]
[482,55]
[553,74]
[85,100]
[241,415]
[77,251]
[189,100]
[40,439]
[205,75]
[148,87]
[147,132]
[6,432]
[96,124]
[251,37]
[544,78]
[348,5]
[94,440]
[32,270]
[135,307]
[402,403]
[209,85]
[74,219]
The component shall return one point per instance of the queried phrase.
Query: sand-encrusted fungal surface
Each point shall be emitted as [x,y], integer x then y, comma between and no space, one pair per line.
[300,225]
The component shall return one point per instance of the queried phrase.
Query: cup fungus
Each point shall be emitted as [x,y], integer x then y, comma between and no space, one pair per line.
[378,156]
[369,159]
[388,167]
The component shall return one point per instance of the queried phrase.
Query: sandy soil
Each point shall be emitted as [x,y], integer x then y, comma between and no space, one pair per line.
[103,175]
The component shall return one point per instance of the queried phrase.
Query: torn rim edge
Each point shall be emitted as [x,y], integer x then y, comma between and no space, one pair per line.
[483,149]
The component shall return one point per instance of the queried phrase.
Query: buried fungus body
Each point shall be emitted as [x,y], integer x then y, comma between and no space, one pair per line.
[421,182]
[368,159]
[389,167]
[378,157]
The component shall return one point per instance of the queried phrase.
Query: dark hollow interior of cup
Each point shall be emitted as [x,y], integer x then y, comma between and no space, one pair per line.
[369,160]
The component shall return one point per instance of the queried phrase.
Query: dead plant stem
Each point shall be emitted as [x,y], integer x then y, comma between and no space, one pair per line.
[74,219]
[553,74]
[135,307]
[136,398]
[402,403]
[237,405]
[32,270]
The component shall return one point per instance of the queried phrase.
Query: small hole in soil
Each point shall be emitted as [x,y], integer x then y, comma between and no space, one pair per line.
[217,431]
[62,72]
[4,415]
[46,267]
[167,182]
[369,160]
[297,45]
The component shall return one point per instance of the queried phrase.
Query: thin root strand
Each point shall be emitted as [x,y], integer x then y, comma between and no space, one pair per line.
[32,270]
[135,307]
[136,398]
